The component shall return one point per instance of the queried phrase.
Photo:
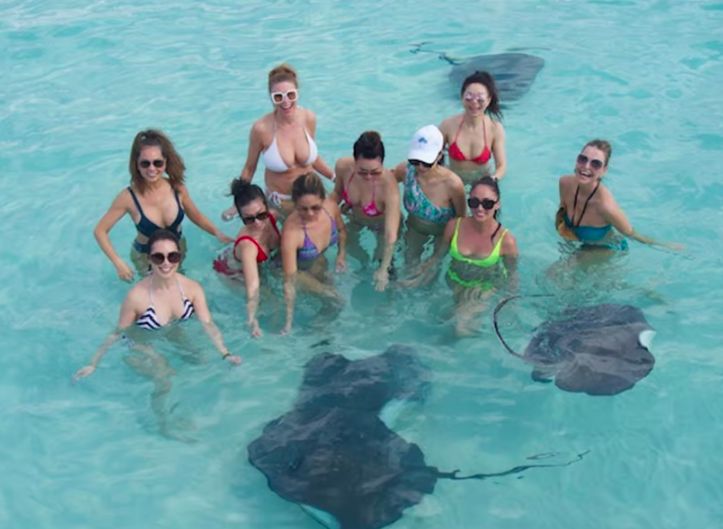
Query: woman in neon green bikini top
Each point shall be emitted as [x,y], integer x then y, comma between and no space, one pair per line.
[482,253]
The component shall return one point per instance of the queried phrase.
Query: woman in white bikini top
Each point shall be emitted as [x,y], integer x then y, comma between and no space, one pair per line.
[284,140]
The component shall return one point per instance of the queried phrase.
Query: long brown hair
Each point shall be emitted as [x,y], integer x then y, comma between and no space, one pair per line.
[175,168]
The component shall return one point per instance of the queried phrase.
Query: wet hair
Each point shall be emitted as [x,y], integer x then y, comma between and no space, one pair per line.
[369,146]
[494,186]
[163,235]
[307,184]
[604,146]
[485,79]
[283,72]
[175,167]
[244,192]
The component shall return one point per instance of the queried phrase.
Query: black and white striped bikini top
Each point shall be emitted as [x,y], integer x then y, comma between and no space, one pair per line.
[149,320]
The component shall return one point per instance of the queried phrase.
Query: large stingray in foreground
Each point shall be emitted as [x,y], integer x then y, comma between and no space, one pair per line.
[335,457]
[598,350]
[513,72]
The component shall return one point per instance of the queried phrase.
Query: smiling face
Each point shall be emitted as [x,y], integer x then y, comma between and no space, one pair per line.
[284,95]
[309,207]
[483,194]
[151,163]
[170,252]
[590,165]
[475,99]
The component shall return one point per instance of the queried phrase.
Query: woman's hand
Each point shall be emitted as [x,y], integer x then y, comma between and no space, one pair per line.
[233,359]
[286,330]
[340,263]
[381,279]
[254,328]
[223,237]
[421,275]
[124,272]
[83,372]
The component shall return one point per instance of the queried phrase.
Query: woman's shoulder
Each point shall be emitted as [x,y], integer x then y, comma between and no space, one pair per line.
[190,286]
[509,243]
[450,124]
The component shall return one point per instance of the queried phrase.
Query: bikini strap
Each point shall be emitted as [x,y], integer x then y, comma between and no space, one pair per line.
[584,207]
[461,121]
[492,237]
[183,294]
[138,203]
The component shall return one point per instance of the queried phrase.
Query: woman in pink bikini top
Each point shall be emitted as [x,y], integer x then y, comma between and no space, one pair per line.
[370,197]
[476,137]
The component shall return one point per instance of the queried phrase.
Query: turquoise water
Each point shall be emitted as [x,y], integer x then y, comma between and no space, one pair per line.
[80,79]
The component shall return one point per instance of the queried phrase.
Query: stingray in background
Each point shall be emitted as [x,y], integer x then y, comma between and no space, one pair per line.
[513,72]
[598,350]
[336,458]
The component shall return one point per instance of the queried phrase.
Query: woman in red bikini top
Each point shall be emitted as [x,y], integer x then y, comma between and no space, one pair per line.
[476,136]
[257,241]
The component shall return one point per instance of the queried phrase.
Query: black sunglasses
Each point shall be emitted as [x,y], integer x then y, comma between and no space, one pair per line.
[157,258]
[595,164]
[156,163]
[417,163]
[487,203]
[259,216]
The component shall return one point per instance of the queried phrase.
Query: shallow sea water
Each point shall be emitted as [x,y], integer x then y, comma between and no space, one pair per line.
[80,79]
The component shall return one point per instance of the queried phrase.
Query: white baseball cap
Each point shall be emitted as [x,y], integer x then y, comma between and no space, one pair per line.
[426,144]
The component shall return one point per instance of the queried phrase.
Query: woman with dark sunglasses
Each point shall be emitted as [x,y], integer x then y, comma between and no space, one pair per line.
[432,193]
[483,254]
[155,304]
[257,242]
[588,212]
[314,226]
[284,140]
[156,198]
[476,138]
[370,198]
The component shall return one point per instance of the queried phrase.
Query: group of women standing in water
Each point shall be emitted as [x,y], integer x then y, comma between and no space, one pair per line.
[293,215]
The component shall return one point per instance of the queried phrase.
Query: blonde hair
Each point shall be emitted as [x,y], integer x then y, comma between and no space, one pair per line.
[307,184]
[283,72]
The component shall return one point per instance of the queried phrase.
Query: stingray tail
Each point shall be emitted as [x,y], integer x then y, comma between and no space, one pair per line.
[441,55]
[497,326]
[514,470]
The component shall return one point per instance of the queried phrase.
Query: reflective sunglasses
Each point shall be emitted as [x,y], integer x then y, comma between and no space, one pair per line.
[156,163]
[418,163]
[278,97]
[486,203]
[263,215]
[157,258]
[595,164]
[471,96]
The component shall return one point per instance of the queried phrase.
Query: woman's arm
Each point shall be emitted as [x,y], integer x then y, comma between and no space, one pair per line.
[613,214]
[198,218]
[498,151]
[424,272]
[510,256]
[457,196]
[247,252]
[392,218]
[319,164]
[200,307]
[289,245]
[118,208]
[400,171]
[254,151]
[341,231]
[342,169]
[127,315]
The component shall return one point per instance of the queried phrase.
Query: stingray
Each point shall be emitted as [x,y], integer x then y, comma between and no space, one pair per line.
[598,350]
[334,456]
[514,72]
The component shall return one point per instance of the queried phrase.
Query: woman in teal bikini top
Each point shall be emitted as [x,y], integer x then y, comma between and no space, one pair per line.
[594,213]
